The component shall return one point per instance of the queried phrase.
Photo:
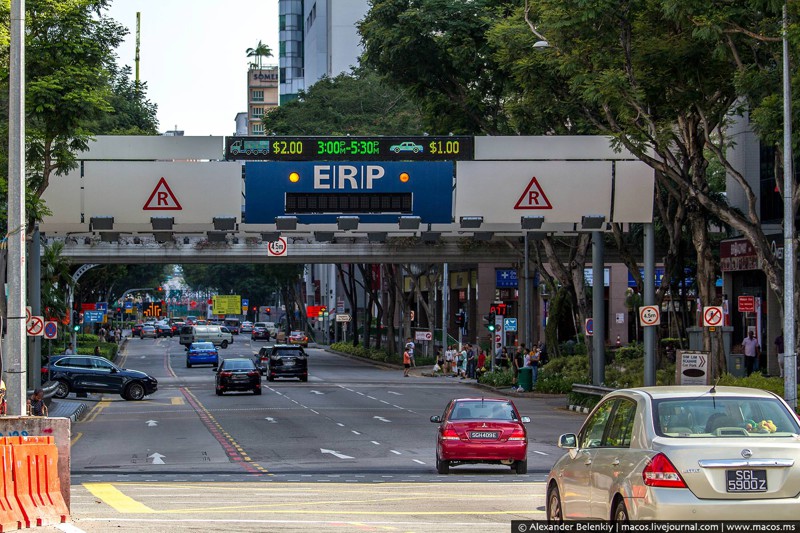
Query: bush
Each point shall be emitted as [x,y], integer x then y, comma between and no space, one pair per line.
[756,380]
[498,378]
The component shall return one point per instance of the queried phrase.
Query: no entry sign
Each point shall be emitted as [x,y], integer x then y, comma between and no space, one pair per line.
[712,316]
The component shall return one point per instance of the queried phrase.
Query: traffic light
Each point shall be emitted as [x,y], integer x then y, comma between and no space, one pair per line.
[490,322]
[76,320]
[269,310]
[460,320]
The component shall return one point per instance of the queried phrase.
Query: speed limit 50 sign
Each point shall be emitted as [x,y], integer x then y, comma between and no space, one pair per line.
[649,315]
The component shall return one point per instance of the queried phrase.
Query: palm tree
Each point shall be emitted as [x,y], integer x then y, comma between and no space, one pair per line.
[259,52]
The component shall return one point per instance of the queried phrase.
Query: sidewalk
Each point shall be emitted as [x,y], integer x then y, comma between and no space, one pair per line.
[427,372]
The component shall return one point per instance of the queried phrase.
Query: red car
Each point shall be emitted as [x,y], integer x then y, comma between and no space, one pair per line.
[481,430]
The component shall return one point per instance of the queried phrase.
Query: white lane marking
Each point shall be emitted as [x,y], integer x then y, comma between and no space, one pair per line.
[540,453]
[393,392]
[384,401]
[372,397]
[418,461]
[316,392]
[356,432]
[335,454]
[395,452]
[270,420]
[376,443]
[381,419]
[340,424]
[313,411]
[393,405]
[69,528]
[151,423]
[360,393]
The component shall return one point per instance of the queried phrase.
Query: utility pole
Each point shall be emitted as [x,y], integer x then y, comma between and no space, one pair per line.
[16,334]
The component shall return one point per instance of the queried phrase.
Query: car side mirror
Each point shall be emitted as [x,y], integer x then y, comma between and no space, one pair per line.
[114,370]
[568,441]
[526,419]
[436,419]
[213,369]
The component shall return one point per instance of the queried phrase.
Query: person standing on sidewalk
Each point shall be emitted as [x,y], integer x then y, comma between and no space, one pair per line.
[448,361]
[751,351]
[517,360]
[472,361]
[406,362]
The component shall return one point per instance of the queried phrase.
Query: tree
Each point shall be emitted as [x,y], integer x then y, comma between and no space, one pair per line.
[259,52]
[56,281]
[437,51]
[131,112]
[360,103]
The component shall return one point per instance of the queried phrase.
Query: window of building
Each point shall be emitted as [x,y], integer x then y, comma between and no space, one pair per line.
[257,113]
[282,49]
[257,96]
[257,129]
[282,23]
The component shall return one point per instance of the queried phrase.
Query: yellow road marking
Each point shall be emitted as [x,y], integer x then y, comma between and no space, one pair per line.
[75,439]
[111,496]
[96,410]
[177,400]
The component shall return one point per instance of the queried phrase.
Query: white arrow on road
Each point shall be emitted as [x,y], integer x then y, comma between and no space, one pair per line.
[381,419]
[335,454]
[317,392]
[270,420]
[151,423]
[157,458]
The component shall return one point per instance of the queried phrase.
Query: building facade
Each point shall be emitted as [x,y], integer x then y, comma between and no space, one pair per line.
[262,95]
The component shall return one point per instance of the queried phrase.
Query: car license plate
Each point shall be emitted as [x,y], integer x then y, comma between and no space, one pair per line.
[746,480]
[483,435]
[288,363]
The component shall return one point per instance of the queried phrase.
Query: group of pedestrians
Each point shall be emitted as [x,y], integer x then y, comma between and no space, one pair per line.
[519,358]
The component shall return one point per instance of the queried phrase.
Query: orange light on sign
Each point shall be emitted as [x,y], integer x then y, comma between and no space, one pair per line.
[294,177]
[404,177]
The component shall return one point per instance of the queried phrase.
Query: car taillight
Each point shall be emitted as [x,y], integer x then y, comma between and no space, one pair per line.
[45,370]
[450,434]
[660,472]
[517,434]
[253,373]
[226,374]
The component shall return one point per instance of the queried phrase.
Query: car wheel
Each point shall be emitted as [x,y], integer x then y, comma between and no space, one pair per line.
[135,392]
[188,364]
[257,392]
[270,378]
[219,392]
[620,512]
[521,467]
[442,467]
[554,511]
[62,390]
[224,344]
[304,378]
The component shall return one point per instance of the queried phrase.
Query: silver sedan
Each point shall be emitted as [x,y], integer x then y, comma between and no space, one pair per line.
[680,453]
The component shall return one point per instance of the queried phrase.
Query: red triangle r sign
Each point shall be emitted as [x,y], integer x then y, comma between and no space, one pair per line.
[162,199]
[533,197]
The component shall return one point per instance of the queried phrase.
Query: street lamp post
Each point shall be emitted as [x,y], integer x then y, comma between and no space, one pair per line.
[790,354]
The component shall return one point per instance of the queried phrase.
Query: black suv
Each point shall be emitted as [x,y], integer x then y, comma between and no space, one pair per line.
[89,373]
[283,361]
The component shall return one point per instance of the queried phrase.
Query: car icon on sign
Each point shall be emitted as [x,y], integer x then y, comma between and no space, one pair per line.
[407,146]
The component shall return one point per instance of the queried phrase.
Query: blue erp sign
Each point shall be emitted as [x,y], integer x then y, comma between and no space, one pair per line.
[316,192]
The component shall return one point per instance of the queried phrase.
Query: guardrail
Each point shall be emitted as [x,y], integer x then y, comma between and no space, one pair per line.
[594,390]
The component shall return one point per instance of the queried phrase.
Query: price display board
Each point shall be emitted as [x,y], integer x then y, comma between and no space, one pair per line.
[426,148]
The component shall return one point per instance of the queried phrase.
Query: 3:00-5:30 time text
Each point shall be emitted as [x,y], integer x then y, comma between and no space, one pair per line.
[347,147]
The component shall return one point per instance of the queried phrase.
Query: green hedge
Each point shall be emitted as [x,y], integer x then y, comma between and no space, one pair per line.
[378,355]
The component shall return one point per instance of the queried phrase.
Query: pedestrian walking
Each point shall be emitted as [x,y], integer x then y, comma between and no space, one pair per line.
[3,404]
[448,360]
[517,361]
[406,362]
[69,350]
[751,351]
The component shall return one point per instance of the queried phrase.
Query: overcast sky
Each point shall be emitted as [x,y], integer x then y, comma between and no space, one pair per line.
[193,56]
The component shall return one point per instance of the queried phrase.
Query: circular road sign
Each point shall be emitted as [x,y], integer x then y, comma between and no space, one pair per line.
[35,326]
[712,316]
[649,315]
[497,338]
[50,329]
[277,248]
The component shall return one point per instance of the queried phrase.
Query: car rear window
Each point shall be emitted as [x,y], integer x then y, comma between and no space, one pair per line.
[483,410]
[237,364]
[709,416]
[202,346]
[288,352]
